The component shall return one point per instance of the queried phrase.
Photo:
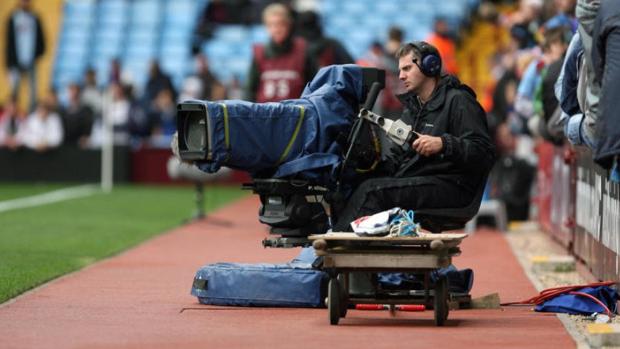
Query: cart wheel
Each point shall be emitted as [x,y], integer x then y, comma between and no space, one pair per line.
[333,301]
[441,301]
[344,296]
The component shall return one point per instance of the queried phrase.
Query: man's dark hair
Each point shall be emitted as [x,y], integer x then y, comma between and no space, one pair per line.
[406,49]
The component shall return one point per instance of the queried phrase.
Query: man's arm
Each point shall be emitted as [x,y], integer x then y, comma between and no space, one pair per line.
[40,40]
[10,54]
[609,134]
[469,142]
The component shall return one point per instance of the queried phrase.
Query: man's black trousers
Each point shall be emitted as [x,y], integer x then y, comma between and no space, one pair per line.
[411,193]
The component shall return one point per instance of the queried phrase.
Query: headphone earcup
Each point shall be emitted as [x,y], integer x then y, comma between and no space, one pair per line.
[431,65]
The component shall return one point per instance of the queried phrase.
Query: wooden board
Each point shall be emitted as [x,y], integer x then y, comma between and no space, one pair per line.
[384,261]
[336,236]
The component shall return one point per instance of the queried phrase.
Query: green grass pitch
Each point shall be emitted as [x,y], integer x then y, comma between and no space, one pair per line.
[40,243]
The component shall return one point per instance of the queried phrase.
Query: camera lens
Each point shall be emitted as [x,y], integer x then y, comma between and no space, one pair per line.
[196,132]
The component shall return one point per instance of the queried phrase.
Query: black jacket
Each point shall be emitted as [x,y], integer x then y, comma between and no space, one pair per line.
[453,114]
[606,60]
[11,48]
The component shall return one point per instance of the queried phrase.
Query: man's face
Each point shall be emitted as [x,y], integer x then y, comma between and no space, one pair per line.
[278,28]
[409,73]
[25,5]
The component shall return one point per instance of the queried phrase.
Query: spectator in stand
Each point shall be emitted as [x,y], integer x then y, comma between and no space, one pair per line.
[212,88]
[606,59]
[510,180]
[43,128]
[577,89]
[587,11]
[25,44]
[220,12]
[11,124]
[373,57]
[327,51]
[281,68]
[524,103]
[157,82]
[234,90]
[567,8]
[524,23]
[505,92]
[389,105]
[116,72]
[91,94]
[53,101]
[547,121]
[139,125]
[77,118]
[441,38]
[384,57]
[191,89]
[163,116]
[116,110]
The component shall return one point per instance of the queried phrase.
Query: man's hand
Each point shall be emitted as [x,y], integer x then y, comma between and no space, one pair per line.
[427,145]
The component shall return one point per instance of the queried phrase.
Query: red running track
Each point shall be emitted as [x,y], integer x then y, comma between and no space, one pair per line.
[140,299]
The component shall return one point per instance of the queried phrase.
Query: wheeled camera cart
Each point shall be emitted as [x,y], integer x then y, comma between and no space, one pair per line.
[344,253]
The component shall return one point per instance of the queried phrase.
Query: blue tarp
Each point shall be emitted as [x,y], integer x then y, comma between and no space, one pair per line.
[576,304]
[292,137]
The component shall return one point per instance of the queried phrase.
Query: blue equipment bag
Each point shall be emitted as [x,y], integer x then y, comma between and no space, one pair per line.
[293,284]
[575,304]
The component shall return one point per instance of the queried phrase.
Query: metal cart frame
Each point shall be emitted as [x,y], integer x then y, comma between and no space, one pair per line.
[344,253]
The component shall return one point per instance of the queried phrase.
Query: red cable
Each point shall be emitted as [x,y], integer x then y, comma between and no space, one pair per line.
[596,300]
[556,291]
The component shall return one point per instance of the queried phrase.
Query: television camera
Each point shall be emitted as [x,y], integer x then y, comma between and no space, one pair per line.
[295,208]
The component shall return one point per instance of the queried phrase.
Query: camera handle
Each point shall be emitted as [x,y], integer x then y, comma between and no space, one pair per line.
[398,131]
[371,98]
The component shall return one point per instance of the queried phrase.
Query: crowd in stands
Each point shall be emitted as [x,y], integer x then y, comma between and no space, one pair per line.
[555,80]
[76,118]
[146,116]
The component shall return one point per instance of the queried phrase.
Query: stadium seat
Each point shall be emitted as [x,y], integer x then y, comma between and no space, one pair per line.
[95,31]
[232,33]
[79,11]
[451,8]
[146,12]
[181,12]
[388,7]
[259,34]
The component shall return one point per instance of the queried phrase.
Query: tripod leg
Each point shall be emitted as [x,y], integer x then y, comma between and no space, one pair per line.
[200,209]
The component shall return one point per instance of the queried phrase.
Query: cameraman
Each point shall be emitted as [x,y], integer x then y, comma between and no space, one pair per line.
[448,162]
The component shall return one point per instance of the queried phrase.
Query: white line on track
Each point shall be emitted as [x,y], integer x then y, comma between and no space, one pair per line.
[49,198]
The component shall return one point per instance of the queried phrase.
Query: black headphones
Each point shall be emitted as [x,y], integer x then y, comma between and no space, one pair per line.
[430,60]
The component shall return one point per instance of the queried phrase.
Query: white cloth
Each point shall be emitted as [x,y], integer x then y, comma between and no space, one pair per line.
[118,112]
[376,224]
